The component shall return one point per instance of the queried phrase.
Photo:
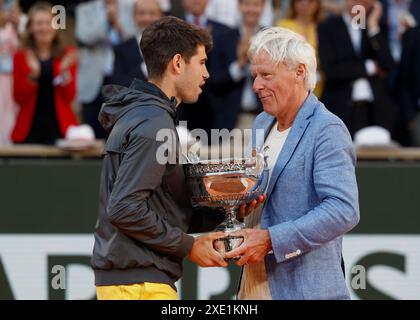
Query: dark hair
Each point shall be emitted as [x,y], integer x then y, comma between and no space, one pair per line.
[169,36]
[28,41]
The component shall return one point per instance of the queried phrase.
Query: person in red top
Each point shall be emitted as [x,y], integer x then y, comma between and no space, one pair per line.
[44,81]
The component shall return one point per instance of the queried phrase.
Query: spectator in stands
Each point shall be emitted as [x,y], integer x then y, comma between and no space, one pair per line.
[226,12]
[129,62]
[396,19]
[355,62]
[395,13]
[8,45]
[200,114]
[233,85]
[44,74]
[100,24]
[303,18]
[409,83]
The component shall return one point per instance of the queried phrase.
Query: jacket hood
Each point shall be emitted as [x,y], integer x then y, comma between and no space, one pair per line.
[119,100]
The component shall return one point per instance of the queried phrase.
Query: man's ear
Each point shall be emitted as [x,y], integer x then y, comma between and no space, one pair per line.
[177,63]
[301,72]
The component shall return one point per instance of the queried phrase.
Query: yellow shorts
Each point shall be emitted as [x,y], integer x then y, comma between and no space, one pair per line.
[142,291]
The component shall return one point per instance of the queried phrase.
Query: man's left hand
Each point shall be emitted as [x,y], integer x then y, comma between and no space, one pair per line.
[247,208]
[256,245]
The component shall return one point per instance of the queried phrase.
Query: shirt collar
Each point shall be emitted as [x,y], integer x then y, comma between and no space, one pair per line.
[347,19]
[152,89]
[190,19]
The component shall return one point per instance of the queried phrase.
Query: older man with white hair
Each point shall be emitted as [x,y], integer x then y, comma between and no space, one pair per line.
[293,245]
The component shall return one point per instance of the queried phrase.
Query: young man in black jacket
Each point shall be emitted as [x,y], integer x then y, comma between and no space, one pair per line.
[144,212]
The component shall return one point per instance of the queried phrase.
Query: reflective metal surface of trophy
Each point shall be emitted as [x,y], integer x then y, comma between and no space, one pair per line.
[227,184]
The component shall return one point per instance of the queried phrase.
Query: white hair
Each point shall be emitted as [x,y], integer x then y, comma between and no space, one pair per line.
[288,47]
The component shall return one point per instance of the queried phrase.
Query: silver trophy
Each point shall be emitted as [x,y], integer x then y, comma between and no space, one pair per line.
[227,184]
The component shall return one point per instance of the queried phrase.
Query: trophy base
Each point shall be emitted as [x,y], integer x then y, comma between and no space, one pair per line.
[228,243]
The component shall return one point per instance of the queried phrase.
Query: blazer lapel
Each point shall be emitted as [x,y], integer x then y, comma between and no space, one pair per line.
[295,135]
[260,132]
[345,38]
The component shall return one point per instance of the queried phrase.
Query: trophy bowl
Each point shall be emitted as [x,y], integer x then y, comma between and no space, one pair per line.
[227,184]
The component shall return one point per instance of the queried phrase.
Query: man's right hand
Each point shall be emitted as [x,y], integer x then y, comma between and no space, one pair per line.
[203,252]
[242,52]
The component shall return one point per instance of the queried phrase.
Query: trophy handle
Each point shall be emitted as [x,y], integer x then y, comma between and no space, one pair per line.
[262,183]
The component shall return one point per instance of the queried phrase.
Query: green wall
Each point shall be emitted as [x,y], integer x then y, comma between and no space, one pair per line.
[60,196]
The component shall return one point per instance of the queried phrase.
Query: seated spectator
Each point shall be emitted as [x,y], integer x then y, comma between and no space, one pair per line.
[303,18]
[355,62]
[44,74]
[128,62]
[8,45]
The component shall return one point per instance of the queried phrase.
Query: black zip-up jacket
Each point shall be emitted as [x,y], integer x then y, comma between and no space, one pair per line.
[144,209]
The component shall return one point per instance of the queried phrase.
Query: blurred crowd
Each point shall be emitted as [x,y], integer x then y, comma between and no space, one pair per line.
[51,78]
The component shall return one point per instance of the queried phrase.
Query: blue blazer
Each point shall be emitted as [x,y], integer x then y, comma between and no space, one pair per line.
[312,202]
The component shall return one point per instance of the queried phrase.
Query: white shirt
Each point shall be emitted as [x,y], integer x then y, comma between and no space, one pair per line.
[143,66]
[361,87]
[254,281]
